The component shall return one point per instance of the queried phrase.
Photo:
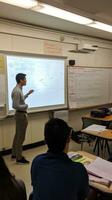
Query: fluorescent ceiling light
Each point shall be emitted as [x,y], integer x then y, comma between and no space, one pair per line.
[57,12]
[63,14]
[21,3]
[102,26]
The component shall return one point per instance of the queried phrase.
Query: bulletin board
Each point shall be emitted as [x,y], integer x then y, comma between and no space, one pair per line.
[2,86]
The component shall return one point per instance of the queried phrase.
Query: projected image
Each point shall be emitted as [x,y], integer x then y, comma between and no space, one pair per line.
[45,76]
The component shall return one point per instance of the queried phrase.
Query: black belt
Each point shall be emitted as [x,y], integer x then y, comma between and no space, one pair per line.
[21,111]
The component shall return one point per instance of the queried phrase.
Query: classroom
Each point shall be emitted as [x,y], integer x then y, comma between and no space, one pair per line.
[42,46]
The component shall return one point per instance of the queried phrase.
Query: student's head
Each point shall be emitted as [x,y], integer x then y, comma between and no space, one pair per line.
[57,134]
[21,79]
[8,188]
[4,172]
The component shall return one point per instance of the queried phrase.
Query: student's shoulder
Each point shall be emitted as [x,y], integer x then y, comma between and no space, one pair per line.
[19,183]
[79,172]
[79,166]
[39,158]
[19,187]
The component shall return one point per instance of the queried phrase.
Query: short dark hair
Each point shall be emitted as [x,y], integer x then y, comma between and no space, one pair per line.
[19,77]
[56,133]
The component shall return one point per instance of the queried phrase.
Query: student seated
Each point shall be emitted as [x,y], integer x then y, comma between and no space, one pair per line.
[55,176]
[10,187]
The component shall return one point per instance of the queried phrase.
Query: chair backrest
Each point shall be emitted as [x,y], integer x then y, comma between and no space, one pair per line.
[110,125]
[87,122]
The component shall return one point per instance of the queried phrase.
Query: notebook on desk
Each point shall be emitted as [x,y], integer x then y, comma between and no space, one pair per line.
[99,180]
[95,127]
[101,168]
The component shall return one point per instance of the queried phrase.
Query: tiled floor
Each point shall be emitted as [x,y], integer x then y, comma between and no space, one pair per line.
[23,171]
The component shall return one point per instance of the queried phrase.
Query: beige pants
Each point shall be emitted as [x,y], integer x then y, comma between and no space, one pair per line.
[21,126]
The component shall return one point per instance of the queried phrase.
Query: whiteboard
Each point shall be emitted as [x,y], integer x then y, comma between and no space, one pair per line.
[89,86]
[46,76]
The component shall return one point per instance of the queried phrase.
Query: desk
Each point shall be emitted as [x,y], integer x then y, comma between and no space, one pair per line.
[98,186]
[102,139]
[94,120]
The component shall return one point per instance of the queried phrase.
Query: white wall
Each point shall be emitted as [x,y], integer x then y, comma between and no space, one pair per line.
[26,39]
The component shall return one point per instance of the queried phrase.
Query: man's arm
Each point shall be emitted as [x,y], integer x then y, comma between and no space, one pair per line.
[30,92]
[16,102]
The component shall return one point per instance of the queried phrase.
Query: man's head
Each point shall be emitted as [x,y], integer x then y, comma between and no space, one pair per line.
[57,134]
[21,79]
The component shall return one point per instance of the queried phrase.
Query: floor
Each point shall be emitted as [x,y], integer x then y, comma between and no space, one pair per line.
[23,171]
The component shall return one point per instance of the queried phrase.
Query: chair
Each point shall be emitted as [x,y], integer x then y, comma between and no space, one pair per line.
[84,137]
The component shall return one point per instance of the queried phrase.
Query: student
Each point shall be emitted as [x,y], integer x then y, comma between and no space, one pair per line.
[55,176]
[10,187]
[18,103]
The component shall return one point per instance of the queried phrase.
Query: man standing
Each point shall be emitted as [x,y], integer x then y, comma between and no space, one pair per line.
[54,175]
[18,103]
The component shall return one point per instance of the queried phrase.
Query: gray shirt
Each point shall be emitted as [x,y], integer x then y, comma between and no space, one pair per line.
[18,99]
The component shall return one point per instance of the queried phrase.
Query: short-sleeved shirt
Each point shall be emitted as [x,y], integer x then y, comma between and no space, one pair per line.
[56,177]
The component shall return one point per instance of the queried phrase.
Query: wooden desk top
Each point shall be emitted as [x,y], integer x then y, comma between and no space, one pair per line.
[106,134]
[106,119]
[98,186]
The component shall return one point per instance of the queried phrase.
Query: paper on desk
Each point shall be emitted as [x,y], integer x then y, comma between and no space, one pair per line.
[71,154]
[95,127]
[99,180]
[101,168]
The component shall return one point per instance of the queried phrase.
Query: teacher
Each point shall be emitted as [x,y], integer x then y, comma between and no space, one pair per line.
[18,103]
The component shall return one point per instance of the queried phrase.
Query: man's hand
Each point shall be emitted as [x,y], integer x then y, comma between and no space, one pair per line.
[30,92]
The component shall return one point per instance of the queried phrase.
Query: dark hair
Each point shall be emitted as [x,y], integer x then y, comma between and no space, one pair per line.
[56,133]
[71,62]
[9,186]
[5,175]
[19,77]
